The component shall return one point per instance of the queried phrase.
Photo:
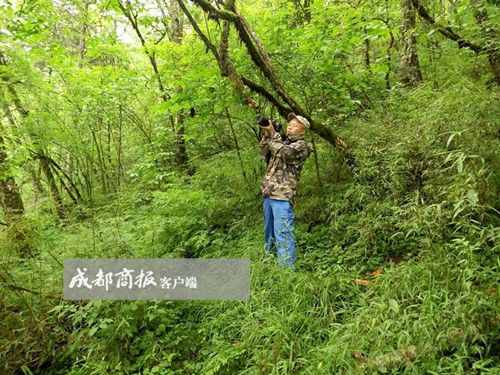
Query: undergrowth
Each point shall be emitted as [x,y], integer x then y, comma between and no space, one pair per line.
[397,269]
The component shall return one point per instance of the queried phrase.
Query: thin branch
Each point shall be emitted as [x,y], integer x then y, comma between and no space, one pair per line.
[447,31]
[162,36]
[134,22]
[262,91]
[194,24]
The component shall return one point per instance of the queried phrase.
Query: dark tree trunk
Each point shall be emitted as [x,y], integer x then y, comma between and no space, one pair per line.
[366,51]
[176,35]
[410,68]
[11,201]
[10,196]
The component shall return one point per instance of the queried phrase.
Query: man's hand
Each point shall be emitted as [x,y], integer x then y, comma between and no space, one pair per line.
[269,131]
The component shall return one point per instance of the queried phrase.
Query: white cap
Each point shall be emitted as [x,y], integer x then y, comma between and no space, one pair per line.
[304,121]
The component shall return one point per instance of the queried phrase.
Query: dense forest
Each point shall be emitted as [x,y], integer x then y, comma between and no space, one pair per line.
[128,129]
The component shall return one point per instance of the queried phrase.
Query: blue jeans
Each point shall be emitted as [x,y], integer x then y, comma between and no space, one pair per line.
[278,230]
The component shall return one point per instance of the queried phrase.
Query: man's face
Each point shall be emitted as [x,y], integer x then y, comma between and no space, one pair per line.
[295,127]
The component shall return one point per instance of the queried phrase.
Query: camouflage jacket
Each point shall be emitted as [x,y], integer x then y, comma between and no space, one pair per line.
[285,165]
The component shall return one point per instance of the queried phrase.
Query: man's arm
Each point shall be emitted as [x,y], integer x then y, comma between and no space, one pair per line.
[268,135]
[264,147]
[294,151]
[266,141]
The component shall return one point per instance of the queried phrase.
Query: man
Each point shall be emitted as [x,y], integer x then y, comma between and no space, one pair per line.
[279,185]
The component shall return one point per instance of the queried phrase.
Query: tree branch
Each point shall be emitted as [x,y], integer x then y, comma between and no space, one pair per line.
[214,12]
[261,59]
[226,66]
[133,19]
[262,91]
[198,31]
[447,31]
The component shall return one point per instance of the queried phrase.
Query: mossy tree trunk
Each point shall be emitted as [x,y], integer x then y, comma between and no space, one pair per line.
[10,196]
[410,73]
[176,34]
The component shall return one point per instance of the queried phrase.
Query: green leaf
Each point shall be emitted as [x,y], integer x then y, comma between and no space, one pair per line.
[473,197]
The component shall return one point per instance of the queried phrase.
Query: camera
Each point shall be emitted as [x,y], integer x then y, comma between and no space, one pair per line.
[264,121]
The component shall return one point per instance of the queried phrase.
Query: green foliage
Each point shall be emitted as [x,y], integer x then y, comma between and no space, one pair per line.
[398,263]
